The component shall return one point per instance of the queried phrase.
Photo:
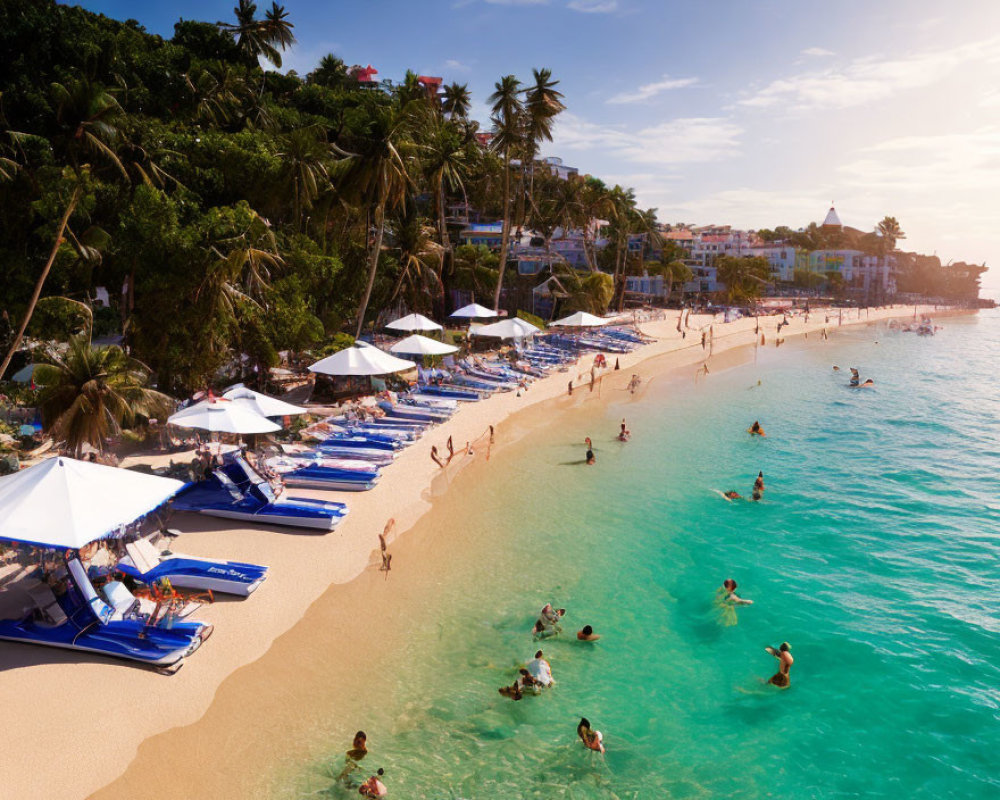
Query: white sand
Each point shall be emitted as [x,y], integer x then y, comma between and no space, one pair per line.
[77,728]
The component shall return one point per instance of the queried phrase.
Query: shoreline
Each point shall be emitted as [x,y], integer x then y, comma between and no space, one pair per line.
[204,698]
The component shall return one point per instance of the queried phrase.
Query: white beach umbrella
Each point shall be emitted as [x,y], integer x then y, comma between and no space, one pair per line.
[474,311]
[223,416]
[62,502]
[581,319]
[515,328]
[414,322]
[362,359]
[263,404]
[418,345]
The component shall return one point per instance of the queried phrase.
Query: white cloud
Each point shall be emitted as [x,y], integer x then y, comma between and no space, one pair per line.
[593,6]
[652,89]
[688,140]
[868,79]
[456,65]
[819,52]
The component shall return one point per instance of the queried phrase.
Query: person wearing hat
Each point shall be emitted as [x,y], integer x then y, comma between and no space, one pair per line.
[783,653]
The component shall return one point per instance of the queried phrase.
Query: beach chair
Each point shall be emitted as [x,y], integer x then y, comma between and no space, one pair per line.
[125,604]
[46,603]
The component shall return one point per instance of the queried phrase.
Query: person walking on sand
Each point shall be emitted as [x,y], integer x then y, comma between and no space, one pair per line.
[592,740]
[782,678]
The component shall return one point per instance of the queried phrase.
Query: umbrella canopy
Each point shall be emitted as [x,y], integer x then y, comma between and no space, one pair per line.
[414,322]
[362,359]
[62,502]
[581,319]
[263,404]
[223,416]
[25,374]
[507,329]
[422,346]
[474,311]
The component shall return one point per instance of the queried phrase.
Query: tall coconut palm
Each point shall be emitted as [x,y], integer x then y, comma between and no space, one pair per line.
[89,393]
[507,110]
[257,38]
[331,72]
[543,103]
[306,156]
[378,177]
[457,100]
[446,163]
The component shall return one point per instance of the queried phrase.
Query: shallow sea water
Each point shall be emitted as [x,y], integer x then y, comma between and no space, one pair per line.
[875,552]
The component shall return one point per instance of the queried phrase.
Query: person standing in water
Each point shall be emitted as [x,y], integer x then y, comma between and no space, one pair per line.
[590,451]
[624,434]
[373,787]
[592,740]
[782,678]
[758,486]
[727,594]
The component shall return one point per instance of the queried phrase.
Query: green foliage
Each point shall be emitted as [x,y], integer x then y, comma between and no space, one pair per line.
[90,393]
[810,279]
[538,322]
[744,278]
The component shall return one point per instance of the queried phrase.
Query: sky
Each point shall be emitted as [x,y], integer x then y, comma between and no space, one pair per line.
[754,113]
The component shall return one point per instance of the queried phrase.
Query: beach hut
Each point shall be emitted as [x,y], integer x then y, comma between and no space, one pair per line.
[414,322]
[418,345]
[361,359]
[514,328]
[263,404]
[581,319]
[474,311]
[219,415]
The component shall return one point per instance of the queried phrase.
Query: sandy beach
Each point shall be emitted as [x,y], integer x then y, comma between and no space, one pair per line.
[248,700]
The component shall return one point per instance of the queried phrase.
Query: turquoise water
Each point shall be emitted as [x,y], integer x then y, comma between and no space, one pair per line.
[876,553]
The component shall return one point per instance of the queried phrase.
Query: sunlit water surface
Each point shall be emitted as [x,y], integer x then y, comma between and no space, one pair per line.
[875,553]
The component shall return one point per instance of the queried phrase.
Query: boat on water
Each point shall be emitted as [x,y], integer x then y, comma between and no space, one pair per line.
[238,491]
[57,509]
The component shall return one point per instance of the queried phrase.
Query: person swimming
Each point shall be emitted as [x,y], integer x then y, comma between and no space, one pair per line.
[548,620]
[586,634]
[868,383]
[373,787]
[624,434]
[727,594]
[592,740]
[782,678]
[756,429]
[540,670]
[732,495]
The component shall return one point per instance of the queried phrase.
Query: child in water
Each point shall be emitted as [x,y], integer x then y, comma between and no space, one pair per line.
[592,740]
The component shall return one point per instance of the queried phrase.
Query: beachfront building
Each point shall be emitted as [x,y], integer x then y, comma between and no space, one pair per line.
[859,271]
[488,234]
[783,260]
[560,170]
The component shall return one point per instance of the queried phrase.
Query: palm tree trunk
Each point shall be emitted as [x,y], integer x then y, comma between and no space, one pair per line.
[372,267]
[74,199]
[442,232]
[505,233]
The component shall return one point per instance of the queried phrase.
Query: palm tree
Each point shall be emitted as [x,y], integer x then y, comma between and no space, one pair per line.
[457,101]
[331,72]
[89,393]
[744,277]
[417,280]
[306,156]
[87,117]
[378,177]
[446,163]
[507,110]
[890,232]
[542,104]
[256,38]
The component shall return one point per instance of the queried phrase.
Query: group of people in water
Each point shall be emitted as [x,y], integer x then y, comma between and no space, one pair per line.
[855,381]
[373,786]
[536,675]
